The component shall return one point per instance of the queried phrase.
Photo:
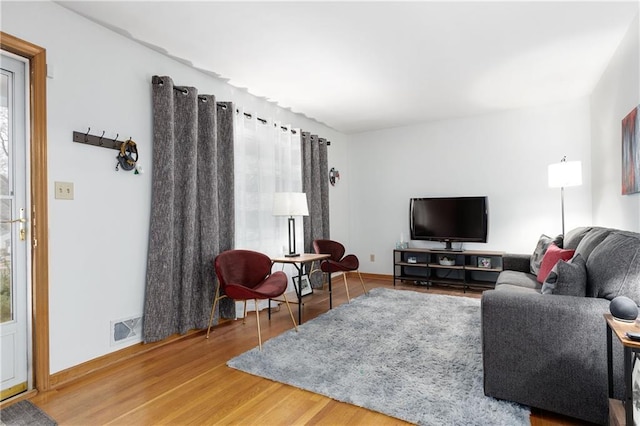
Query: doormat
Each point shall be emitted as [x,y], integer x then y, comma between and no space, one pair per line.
[25,413]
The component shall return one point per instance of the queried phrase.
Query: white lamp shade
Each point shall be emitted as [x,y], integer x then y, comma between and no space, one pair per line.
[565,173]
[290,204]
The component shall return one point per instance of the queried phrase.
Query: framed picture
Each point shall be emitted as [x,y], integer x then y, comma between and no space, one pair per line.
[306,285]
[630,147]
[484,262]
[636,388]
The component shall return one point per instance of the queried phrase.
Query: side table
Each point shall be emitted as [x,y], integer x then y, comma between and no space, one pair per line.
[298,262]
[630,347]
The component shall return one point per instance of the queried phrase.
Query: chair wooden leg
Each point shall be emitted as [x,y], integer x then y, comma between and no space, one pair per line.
[244,315]
[258,322]
[290,311]
[213,307]
[362,282]
[346,286]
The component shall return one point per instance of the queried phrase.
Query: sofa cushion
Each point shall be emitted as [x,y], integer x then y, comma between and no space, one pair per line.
[613,268]
[516,288]
[591,240]
[518,279]
[551,257]
[573,237]
[541,248]
[567,278]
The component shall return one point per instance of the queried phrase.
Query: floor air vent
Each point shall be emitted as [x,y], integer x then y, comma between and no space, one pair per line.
[126,330]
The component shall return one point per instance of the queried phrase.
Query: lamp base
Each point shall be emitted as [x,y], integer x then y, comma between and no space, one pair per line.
[292,255]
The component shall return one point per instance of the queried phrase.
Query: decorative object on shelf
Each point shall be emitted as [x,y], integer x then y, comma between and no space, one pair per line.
[623,309]
[290,204]
[447,260]
[484,262]
[306,285]
[402,244]
[412,259]
[334,176]
[630,149]
[564,174]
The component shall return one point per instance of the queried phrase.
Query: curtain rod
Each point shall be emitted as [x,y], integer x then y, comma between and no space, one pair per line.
[222,105]
[264,121]
[185,91]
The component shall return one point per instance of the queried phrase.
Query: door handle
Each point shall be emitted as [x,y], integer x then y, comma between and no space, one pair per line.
[21,220]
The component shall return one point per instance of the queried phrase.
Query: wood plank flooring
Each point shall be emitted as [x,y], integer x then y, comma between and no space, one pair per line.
[188,382]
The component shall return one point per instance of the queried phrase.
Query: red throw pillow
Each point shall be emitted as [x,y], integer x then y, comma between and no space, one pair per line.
[551,257]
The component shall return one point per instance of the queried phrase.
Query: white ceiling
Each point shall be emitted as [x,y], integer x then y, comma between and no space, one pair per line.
[359,66]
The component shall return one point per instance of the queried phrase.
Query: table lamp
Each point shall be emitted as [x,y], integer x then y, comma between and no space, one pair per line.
[290,204]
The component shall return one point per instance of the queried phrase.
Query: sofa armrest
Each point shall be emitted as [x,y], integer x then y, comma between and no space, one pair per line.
[548,351]
[516,262]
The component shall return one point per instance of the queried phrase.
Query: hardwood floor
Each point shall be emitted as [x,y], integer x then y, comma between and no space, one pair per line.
[188,382]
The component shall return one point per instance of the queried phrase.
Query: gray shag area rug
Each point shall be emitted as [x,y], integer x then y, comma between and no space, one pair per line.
[409,355]
[24,413]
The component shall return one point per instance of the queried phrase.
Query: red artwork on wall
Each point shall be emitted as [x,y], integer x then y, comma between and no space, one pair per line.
[631,152]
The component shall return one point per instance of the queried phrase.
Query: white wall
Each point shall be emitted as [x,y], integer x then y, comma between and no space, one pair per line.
[617,93]
[98,242]
[503,155]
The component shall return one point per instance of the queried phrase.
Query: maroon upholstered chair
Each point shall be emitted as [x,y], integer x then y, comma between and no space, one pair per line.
[338,262]
[246,275]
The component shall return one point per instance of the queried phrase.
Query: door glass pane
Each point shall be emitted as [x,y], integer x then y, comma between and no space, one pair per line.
[4,134]
[6,298]
[6,293]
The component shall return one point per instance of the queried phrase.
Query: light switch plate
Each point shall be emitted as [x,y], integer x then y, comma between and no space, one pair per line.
[64,190]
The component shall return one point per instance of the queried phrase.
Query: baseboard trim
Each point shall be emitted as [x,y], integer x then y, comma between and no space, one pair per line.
[367,275]
[76,372]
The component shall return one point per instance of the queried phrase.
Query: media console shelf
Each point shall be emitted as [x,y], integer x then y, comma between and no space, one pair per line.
[468,268]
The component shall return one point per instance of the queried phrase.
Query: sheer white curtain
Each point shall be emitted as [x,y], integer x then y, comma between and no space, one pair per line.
[267,159]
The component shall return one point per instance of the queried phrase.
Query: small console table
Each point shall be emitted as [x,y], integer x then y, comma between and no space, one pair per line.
[466,268]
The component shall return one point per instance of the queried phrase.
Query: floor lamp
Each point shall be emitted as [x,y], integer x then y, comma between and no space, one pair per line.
[564,174]
[290,204]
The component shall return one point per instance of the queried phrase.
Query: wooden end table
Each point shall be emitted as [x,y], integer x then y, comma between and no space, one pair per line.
[616,407]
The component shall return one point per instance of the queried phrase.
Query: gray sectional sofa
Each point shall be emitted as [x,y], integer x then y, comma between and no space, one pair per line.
[549,350]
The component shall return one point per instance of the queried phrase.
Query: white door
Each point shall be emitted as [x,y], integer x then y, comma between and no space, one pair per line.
[14,253]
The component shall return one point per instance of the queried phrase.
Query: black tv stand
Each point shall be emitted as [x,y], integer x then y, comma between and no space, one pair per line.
[466,268]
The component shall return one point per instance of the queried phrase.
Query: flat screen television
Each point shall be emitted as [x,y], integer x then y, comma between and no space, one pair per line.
[449,219]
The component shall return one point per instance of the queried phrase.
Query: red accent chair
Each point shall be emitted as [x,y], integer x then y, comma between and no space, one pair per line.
[338,262]
[246,275]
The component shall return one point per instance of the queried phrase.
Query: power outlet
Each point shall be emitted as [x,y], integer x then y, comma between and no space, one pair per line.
[372,257]
[64,190]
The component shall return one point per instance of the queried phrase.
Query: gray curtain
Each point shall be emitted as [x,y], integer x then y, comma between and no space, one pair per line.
[315,182]
[192,218]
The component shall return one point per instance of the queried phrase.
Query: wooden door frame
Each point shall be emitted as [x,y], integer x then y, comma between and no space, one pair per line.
[39,211]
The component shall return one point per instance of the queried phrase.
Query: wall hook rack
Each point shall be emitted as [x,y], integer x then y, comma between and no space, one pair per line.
[86,138]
